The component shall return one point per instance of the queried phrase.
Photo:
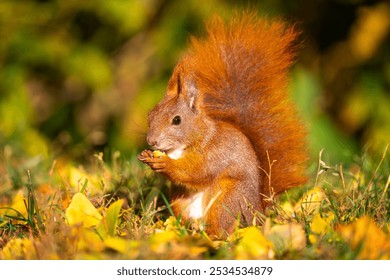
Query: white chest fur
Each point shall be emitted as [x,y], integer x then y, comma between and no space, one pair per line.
[176,154]
[195,209]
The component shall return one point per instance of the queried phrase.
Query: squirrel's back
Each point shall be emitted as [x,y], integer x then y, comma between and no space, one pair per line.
[241,71]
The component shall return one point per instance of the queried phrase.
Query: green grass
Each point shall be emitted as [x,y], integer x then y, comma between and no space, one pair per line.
[314,221]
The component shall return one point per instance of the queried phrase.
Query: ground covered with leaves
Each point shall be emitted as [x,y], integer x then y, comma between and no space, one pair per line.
[116,208]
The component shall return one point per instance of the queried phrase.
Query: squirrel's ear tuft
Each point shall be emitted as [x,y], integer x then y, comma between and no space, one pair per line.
[191,92]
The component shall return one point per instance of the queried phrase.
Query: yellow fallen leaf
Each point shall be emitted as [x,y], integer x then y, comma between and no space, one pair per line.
[79,180]
[288,237]
[160,240]
[313,238]
[254,245]
[129,248]
[81,211]
[194,251]
[321,225]
[18,205]
[88,243]
[318,224]
[171,224]
[18,249]
[288,209]
[238,234]
[310,203]
[364,235]
[117,244]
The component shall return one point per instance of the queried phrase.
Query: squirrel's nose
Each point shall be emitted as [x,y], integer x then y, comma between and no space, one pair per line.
[152,141]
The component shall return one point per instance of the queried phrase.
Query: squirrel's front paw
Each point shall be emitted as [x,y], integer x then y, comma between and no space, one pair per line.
[145,154]
[157,161]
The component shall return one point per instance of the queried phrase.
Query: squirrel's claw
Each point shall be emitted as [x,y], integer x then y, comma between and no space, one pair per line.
[144,155]
[157,164]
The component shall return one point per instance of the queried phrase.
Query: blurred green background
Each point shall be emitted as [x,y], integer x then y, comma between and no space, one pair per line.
[80,76]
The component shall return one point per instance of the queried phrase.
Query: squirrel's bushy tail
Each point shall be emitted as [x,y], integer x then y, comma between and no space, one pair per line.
[241,69]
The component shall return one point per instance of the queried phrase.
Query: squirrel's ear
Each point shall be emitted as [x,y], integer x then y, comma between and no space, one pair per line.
[191,94]
[187,89]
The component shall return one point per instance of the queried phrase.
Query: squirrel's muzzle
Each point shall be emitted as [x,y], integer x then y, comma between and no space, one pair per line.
[152,140]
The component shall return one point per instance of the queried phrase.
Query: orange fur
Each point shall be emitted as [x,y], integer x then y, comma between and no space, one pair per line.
[242,69]
[239,139]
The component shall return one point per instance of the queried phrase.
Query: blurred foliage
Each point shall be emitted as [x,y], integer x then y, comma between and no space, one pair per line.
[80,76]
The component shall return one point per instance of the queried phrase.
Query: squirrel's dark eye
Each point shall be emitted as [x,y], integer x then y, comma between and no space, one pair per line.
[176,120]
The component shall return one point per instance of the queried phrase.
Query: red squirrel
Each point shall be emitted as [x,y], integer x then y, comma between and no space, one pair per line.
[227,134]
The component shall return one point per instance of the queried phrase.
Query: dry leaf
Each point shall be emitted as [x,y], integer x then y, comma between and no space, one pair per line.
[79,180]
[81,211]
[18,249]
[320,226]
[160,240]
[254,245]
[364,235]
[310,203]
[19,205]
[288,237]
[129,248]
